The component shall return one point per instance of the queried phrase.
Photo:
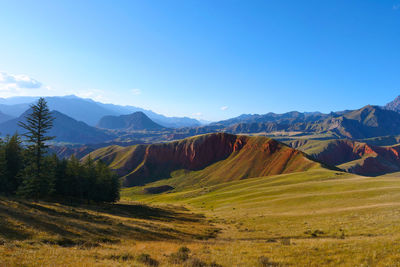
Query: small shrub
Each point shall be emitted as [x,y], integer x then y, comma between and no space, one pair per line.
[89,245]
[147,260]
[314,233]
[285,241]
[122,257]
[181,256]
[342,234]
[63,242]
[265,262]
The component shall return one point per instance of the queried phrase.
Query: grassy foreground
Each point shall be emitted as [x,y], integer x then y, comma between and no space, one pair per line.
[314,218]
[47,234]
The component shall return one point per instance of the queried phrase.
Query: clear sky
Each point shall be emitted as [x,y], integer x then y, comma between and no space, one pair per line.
[206,59]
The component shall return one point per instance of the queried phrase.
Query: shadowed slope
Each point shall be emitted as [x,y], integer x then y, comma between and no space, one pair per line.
[134,121]
[211,158]
[352,156]
[93,225]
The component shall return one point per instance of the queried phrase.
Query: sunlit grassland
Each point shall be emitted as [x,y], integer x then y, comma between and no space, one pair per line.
[314,218]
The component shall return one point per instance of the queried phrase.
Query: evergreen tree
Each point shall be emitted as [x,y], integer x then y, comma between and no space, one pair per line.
[14,161]
[90,178]
[109,183]
[37,182]
[75,184]
[3,169]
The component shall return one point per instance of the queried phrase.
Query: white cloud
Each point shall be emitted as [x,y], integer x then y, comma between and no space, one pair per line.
[197,114]
[17,82]
[95,94]
[224,107]
[136,91]
[22,85]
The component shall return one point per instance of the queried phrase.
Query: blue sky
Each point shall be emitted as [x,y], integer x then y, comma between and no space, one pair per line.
[206,59]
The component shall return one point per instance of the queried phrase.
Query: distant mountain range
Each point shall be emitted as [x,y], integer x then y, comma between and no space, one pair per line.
[369,121]
[138,126]
[66,129]
[131,122]
[89,111]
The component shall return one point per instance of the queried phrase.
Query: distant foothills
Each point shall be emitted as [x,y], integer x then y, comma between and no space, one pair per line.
[364,137]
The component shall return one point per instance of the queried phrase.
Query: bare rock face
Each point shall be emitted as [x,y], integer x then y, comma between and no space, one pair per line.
[190,154]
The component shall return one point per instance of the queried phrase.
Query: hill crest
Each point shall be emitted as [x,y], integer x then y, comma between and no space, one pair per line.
[207,159]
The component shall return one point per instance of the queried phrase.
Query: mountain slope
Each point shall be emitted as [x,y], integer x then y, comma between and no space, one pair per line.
[352,156]
[5,117]
[394,105]
[14,110]
[205,159]
[134,121]
[65,129]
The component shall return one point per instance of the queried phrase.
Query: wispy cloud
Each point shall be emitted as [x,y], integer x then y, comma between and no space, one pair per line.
[224,107]
[95,94]
[396,6]
[15,82]
[136,91]
[197,114]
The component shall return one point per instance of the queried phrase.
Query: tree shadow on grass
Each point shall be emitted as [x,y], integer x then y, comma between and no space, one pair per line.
[95,223]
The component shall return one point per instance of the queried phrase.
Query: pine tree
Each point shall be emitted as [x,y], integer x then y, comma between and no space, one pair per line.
[37,183]
[37,124]
[108,183]
[3,169]
[13,153]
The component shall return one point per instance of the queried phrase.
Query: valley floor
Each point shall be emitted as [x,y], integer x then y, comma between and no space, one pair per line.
[314,218]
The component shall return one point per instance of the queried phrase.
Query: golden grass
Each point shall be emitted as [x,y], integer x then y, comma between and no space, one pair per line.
[330,218]
[314,218]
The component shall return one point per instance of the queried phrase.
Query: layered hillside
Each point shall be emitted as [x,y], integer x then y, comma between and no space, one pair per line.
[352,156]
[205,159]
[134,121]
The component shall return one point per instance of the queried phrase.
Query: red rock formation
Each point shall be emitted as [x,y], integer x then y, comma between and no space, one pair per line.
[368,160]
[230,157]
